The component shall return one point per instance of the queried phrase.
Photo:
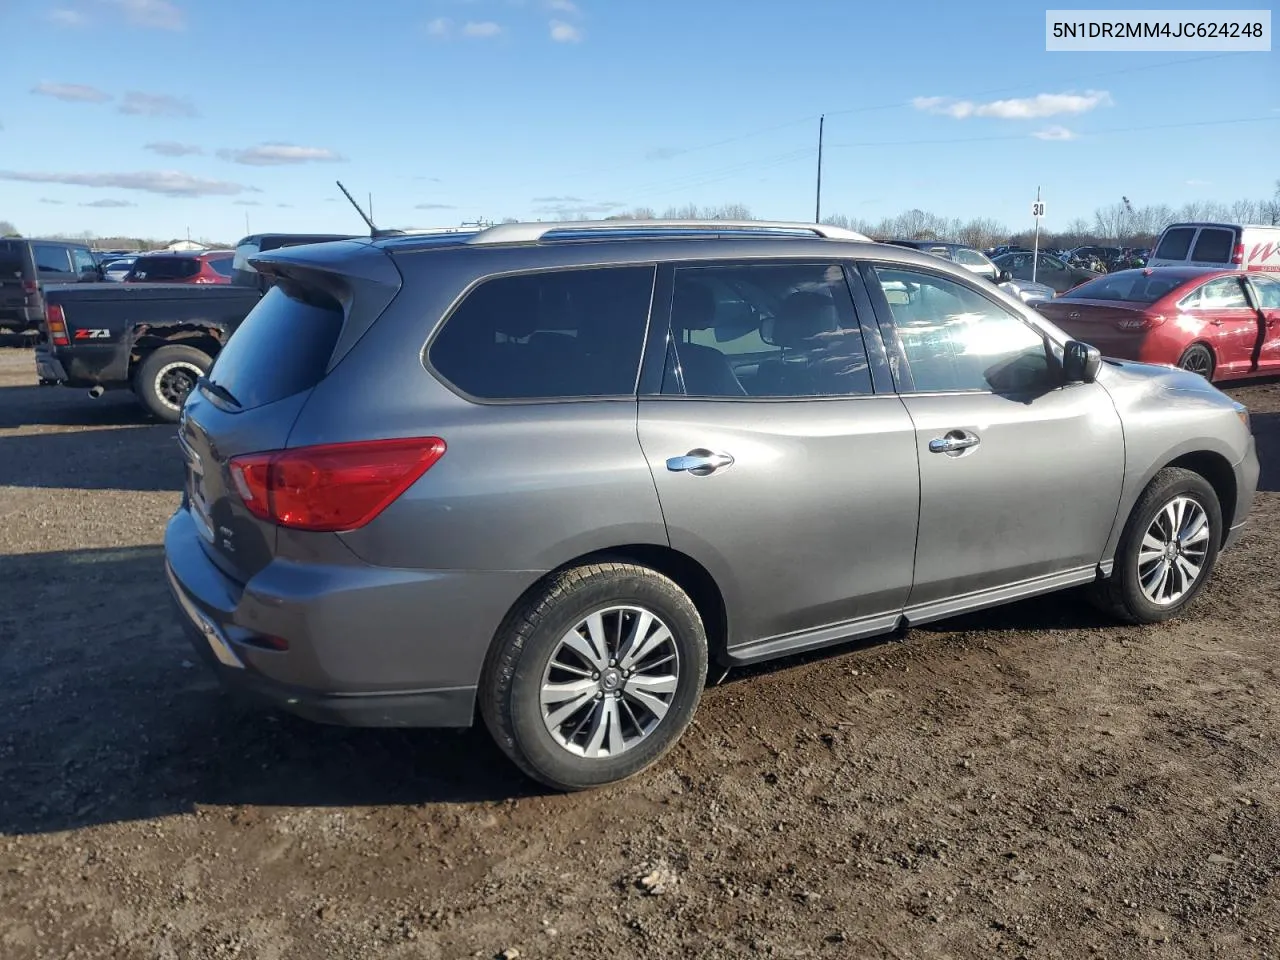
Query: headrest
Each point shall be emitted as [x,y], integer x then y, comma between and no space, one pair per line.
[801,317]
[693,307]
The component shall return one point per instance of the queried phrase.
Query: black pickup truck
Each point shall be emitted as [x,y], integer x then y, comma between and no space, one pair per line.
[155,339]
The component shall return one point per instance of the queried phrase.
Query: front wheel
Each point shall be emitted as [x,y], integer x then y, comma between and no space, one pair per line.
[164,380]
[594,675]
[1167,550]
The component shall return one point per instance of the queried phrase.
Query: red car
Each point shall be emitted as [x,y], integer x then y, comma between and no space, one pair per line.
[1222,324]
[206,266]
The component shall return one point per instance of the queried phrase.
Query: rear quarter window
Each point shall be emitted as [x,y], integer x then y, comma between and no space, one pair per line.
[567,334]
[1175,244]
[282,347]
[164,269]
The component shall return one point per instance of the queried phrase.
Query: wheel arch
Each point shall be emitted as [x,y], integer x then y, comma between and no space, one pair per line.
[150,337]
[686,572]
[1217,470]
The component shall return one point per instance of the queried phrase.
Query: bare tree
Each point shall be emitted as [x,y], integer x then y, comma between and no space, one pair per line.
[7,229]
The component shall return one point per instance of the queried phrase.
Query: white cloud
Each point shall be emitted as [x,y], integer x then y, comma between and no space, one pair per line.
[68,18]
[74,92]
[171,148]
[563,6]
[109,204]
[56,203]
[440,27]
[277,154]
[171,183]
[156,105]
[562,32]
[152,14]
[435,206]
[246,203]
[1020,108]
[482,29]
[1054,133]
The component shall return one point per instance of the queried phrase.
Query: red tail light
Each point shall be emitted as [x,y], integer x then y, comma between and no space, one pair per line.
[56,322]
[1237,255]
[338,486]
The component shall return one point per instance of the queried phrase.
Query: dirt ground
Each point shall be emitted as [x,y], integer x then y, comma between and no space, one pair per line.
[1027,782]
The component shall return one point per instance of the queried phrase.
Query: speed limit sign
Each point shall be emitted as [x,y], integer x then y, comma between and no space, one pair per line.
[1037,209]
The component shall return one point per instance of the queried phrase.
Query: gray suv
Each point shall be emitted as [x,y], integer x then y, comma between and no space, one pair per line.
[557,469]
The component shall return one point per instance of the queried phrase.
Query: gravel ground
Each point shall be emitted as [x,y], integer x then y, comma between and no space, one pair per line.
[1027,782]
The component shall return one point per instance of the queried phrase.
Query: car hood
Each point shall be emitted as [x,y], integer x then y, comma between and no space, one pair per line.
[1130,379]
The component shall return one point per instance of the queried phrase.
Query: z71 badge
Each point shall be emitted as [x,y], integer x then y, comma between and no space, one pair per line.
[91,334]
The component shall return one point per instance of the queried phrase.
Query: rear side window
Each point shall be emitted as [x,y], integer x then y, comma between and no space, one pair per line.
[221,266]
[1213,246]
[164,269]
[561,335]
[51,259]
[1175,244]
[971,258]
[84,261]
[281,348]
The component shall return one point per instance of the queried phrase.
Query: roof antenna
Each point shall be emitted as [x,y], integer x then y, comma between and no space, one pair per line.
[373,230]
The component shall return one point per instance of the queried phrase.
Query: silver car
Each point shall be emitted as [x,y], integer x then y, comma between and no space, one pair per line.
[554,471]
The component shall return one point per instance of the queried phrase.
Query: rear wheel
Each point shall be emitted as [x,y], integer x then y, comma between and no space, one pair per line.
[166,377]
[595,675]
[1167,550]
[1198,359]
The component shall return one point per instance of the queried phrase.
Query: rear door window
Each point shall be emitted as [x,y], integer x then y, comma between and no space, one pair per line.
[221,266]
[164,269]
[282,347]
[1213,246]
[567,334]
[1175,244]
[51,258]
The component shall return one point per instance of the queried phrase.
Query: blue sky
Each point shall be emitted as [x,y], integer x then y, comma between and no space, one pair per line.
[152,117]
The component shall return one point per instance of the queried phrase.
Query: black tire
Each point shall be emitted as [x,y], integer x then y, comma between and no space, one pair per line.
[513,675]
[1121,594]
[1198,358]
[156,381]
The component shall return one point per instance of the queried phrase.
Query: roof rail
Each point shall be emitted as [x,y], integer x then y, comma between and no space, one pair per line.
[534,232]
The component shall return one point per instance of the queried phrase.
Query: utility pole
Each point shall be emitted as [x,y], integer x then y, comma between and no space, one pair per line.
[817,206]
[1037,211]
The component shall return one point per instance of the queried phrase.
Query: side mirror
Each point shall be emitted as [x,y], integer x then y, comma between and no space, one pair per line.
[1080,362]
[1004,276]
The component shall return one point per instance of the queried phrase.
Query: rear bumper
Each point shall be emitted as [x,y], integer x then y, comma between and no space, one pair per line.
[84,366]
[367,646]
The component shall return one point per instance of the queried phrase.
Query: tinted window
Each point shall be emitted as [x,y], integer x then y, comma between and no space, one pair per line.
[955,339]
[1213,246]
[281,348]
[1175,244]
[11,260]
[565,334]
[1224,293]
[50,258]
[163,269]
[1128,287]
[765,330]
[221,266]
[1268,293]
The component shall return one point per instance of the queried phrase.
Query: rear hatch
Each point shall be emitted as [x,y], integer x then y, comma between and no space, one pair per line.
[259,384]
[17,279]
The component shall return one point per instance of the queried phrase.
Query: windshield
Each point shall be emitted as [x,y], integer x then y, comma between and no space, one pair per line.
[1126,287]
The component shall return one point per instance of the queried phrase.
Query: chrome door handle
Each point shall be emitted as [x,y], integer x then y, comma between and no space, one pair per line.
[700,463]
[955,442]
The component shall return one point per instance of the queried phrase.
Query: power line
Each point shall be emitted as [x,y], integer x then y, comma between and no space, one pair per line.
[1024,136]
